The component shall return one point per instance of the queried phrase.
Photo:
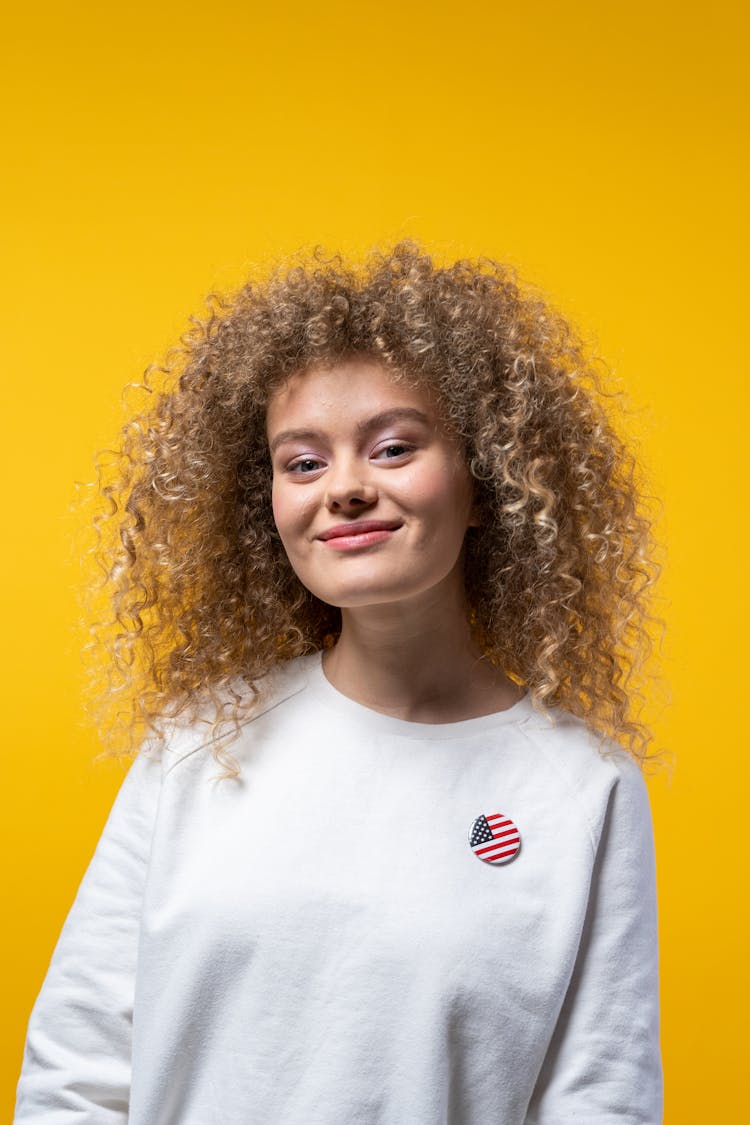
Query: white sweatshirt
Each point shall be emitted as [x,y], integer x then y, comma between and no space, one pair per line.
[320,943]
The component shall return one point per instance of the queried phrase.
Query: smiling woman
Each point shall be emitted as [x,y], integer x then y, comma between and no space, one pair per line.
[400,542]
[353,472]
[380,518]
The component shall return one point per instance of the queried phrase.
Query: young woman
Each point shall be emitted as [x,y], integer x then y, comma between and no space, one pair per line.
[380,523]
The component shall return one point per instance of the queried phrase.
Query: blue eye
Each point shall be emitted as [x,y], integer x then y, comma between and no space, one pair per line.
[304,461]
[400,447]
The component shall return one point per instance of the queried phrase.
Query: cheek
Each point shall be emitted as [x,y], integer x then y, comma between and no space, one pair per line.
[277,504]
[283,509]
[276,497]
[292,507]
[444,494]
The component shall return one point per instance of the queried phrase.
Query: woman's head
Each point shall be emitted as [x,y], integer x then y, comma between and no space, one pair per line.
[557,552]
[355,449]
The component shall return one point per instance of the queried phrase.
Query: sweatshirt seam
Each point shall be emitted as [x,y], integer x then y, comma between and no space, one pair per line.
[573,789]
[272,705]
[351,714]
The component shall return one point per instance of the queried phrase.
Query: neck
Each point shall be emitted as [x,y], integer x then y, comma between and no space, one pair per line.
[417,661]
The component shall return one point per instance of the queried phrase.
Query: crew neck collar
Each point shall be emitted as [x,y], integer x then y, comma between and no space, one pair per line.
[376,721]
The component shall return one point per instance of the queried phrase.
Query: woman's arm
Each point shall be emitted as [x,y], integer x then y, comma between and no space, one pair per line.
[76,1064]
[603,1065]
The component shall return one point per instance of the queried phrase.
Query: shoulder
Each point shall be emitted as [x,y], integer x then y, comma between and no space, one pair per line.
[594,771]
[184,738]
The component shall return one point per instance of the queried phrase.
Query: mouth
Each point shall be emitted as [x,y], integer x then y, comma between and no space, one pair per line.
[359,533]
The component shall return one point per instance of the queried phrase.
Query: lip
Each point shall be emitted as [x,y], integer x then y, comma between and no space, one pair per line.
[358,527]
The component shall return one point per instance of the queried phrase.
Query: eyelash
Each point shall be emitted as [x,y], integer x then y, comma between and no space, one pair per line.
[391,445]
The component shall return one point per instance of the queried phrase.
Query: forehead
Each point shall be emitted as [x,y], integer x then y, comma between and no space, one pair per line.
[340,390]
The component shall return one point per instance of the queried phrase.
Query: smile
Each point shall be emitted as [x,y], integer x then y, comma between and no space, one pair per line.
[358,533]
[364,539]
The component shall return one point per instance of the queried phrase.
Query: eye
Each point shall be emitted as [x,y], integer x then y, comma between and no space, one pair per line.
[395,449]
[300,465]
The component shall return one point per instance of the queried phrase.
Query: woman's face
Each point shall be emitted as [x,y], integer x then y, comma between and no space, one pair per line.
[352,449]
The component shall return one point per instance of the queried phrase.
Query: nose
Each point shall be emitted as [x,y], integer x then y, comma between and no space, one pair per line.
[346,489]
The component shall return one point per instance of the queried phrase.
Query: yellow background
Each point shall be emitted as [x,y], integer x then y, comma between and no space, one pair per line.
[153,154]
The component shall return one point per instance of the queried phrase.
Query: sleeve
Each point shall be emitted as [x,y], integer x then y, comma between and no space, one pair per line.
[603,1064]
[76,1062]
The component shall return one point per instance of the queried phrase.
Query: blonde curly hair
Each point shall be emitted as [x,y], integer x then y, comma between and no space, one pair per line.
[202,601]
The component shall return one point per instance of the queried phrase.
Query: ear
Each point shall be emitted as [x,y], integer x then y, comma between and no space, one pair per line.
[475,517]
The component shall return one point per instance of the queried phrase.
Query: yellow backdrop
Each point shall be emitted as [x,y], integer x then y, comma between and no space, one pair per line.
[155,151]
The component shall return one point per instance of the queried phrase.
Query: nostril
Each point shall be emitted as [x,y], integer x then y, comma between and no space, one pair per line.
[359,498]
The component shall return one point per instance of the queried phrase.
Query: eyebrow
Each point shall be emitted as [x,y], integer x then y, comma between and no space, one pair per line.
[385,418]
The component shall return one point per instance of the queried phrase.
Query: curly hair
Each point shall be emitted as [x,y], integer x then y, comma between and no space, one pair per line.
[202,600]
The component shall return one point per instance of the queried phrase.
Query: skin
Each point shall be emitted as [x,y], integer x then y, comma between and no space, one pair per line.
[405,647]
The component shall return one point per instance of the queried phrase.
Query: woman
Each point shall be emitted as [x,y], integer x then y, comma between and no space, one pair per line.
[380,523]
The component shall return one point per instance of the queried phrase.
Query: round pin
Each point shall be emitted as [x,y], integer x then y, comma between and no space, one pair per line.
[494,838]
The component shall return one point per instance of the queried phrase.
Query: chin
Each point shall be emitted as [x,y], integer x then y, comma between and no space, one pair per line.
[360,600]
[362,597]
[347,596]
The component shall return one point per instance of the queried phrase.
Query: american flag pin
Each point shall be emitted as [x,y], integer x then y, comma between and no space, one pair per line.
[494,838]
